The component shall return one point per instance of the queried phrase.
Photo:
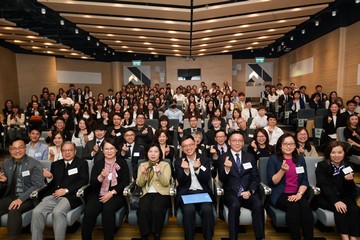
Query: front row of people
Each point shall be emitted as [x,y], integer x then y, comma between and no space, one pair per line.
[237,171]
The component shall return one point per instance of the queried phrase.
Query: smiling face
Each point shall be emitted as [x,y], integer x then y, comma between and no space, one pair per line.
[288,146]
[58,140]
[109,151]
[68,151]
[337,155]
[154,154]
[162,138]
[236,142]
[188,147]
[34,135]
[302,136]
[261,138]
[17,150]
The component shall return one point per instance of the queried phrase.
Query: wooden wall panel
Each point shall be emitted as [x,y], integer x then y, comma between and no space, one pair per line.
[352,59]
[325,51]
[213,69]
[8,77]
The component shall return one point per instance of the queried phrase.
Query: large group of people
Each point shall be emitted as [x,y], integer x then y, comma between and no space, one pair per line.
[219,135]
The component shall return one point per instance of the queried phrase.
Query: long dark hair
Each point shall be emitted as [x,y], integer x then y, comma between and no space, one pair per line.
[269,148]
[78,128]
[280,154]
[329,149]
[307,145]
[161,157]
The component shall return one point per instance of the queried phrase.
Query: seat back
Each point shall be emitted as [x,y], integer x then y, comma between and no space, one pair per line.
[340,134]
[45,164]
[306,114]
[79,151]
[263,162]
[154,123]
[187,123]
[44,135]
[321,112]
[174,123]
[311,164]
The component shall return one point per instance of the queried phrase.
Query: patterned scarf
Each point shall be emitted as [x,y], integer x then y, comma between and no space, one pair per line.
[112,168]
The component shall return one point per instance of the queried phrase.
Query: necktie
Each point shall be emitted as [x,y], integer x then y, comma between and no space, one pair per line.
[193,130]
[222,150]
[250,115]
[129,147]
[237,160]
[98,142]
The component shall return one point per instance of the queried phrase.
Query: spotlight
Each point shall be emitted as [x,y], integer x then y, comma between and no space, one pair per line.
[282,43]
[62,22]
[88,38]
[272,49]
[303,31]
[357,1]
[105,48]
[113,53]
[333,13]
[76,31]
[317,22]
[43,11]
[292,38]
[97,44]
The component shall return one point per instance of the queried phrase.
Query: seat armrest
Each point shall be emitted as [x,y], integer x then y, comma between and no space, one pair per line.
[35,193]
[81,192]
[172,188]
[267,190]
[316,190]
[127,189]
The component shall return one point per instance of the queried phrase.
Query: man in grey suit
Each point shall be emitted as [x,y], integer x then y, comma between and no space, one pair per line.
[66,177]
[20,176]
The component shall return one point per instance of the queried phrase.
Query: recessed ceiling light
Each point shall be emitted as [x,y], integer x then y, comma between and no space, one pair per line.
[150,48]
[175,50]
[225,51]
[202,50]
[62,22]
[43,10]
[291,38]
[254,43]
[172,31]
[232,41]
[147,43]
[153,53]
[203,45]
[174,39]
[245,26]
[333,13]
[303,31]
[124,47]
[238,34]
[142,37]
[76,31]
[295,9]
[88,38]
[228,46]
[175,45]
[130,51]
[204,39]
[118,41]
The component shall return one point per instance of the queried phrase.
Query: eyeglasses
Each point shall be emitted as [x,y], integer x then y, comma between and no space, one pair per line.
[67,150]
[109,149]
[14,149]
[187,146]
[288,144]
[236,140]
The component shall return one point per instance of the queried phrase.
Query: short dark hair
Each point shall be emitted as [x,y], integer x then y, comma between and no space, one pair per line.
[16,139]
[35,128]
[236,132]
[186,137]
[351,101]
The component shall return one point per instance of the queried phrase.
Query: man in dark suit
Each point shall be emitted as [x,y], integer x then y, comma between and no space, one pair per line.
[282,101]
[305,97]
[144,134]
[93,148]
[218,150]
[318,90]
[66,177]
[350,109]
[241,181]
[193,127]
[20,176]
[193,174]
[131,150]
[72,93]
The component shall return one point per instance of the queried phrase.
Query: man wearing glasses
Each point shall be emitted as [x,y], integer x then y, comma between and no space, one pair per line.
[144,134]
[65,178]
[240,178]
[20,176]
[193,174]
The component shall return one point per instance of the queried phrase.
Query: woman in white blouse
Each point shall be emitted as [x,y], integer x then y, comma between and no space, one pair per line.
[55,146]
[83,134]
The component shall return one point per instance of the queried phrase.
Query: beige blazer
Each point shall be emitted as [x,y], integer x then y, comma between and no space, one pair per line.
[161,182]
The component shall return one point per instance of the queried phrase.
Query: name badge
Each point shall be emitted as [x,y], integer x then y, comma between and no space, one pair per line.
[251,135]
[347,170]
[37,154]
[247,165]
[110,176]
[118,134]
[72,171]
[203,168]
[300,170]
[25,173]
[136,154]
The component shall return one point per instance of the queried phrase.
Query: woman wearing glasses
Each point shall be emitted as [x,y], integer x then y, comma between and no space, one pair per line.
[154,177]
[109,177]
[287,176]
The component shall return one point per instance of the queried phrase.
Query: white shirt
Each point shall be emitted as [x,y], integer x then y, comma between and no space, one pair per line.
[195,184]
[245,114]
[275,135]
[258,120]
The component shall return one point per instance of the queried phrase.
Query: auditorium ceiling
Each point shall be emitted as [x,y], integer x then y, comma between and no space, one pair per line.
[152,29]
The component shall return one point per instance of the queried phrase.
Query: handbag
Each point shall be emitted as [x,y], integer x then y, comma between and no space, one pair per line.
[134,197]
